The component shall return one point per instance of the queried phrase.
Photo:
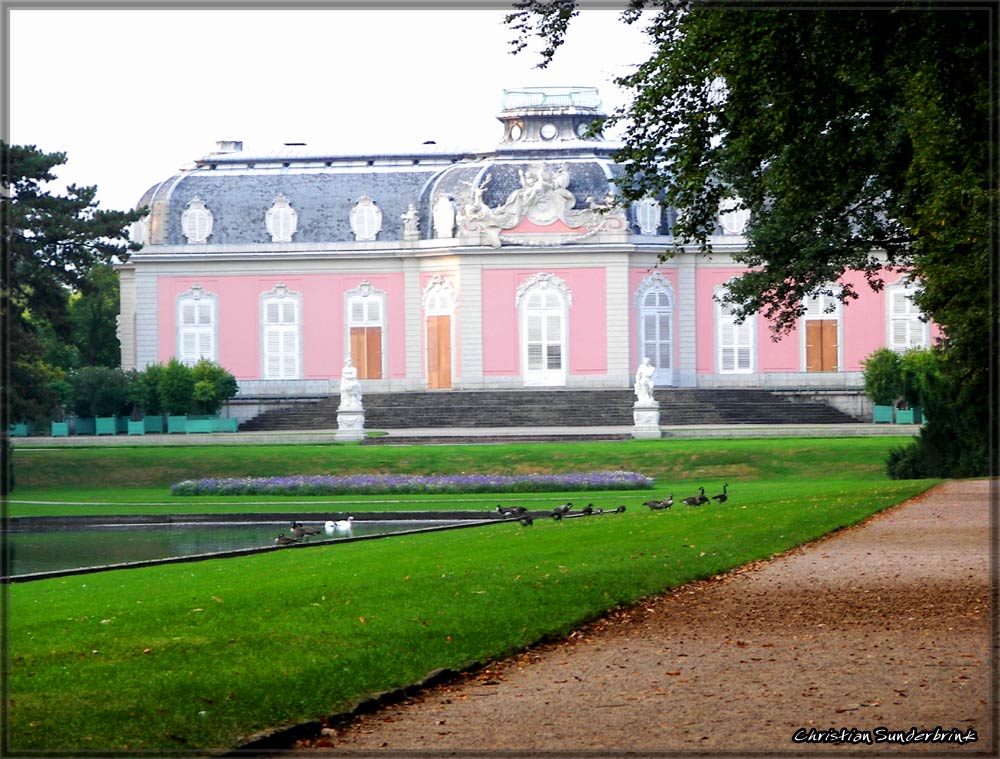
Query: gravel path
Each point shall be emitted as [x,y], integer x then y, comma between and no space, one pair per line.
[883,625]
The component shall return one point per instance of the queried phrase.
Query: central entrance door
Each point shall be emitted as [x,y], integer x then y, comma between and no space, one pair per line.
[544,339]
[657,335]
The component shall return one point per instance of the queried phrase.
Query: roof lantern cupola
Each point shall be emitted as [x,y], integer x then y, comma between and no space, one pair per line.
[549,114]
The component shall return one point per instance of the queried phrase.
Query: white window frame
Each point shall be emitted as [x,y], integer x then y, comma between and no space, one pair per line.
[544,284]
[202,331]
[918,328]
[368,298]
[725,326]
[288,333]
[822,300]
[656,283]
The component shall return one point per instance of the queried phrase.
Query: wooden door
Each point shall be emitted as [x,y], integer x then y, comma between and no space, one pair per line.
[821,345]
[366,351]
[438,352]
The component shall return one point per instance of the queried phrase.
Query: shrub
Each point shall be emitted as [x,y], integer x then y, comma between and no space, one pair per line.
[919,371]
[99,391]
[213,386]
[176,387]
[883,377]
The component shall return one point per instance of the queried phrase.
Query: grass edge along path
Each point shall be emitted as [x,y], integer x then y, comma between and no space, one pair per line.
[199,657]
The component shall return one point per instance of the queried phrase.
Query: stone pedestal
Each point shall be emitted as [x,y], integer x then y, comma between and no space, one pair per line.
[646,418]
[350,425]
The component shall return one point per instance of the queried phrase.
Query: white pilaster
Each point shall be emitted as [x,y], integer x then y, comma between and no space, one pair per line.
[686,322]
[470,324]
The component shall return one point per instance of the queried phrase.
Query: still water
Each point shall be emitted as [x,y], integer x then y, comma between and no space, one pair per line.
[100,545]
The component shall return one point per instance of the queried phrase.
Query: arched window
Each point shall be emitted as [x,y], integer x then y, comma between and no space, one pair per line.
[734,341]
[281,334]
[654,303]
[543,304]
[196,326]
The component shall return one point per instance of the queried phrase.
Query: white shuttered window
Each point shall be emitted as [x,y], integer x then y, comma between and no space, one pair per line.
[196,328]
[282,358]
[734,341]
[907,326]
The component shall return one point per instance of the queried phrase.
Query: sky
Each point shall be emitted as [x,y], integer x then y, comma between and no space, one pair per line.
[132,95]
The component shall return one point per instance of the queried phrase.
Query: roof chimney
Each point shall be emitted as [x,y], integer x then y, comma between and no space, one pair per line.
[228,146]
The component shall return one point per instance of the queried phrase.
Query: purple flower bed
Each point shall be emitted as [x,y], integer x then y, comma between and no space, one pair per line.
[389,483]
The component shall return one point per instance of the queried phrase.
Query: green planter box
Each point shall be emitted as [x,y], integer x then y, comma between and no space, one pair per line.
[199,423]
[908,416]
[85,426]
[136,428]
[882,414]
[176,424]
[106,425]
[122,425]
[153,423]
[224,425]
[60,429]
[18,430]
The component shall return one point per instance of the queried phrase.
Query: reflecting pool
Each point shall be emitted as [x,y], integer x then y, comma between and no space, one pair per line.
[65,548]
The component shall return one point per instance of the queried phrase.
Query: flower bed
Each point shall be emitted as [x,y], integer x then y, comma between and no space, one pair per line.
[388,483]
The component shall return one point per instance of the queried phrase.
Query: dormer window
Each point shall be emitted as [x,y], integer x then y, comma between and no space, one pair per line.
[366,219]
[196,221]
[281,220]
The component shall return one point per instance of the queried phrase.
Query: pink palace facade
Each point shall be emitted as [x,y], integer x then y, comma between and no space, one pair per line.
[505,268]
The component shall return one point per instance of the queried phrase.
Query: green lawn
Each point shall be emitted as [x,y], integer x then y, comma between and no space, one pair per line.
[199,656]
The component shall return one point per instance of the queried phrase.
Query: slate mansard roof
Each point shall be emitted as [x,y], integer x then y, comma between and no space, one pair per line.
[238,188]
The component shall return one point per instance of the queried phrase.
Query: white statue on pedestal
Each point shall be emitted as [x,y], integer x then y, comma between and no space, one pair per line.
[644,383]
[350,388]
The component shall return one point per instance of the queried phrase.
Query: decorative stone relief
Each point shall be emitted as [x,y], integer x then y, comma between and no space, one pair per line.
[196,221]
[366,219]
[654,281]
[647,215]
[542,199]
[281,220]
[444,217]
[439,296]
[544,280]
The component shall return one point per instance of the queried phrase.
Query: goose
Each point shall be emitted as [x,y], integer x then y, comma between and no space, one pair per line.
[284,540]
[564,508]
[695,500]
[657,505]
[301,530]
[526,521]
[721,497]
[588,509]
[620,510]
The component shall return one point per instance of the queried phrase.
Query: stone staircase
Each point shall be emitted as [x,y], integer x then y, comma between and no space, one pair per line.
[550,408]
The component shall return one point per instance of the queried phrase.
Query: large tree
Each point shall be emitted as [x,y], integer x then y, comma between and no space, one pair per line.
[52,243]
[859,138]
